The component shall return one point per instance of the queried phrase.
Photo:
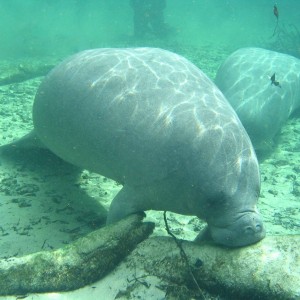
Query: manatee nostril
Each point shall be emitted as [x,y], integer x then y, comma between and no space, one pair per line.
[249,230]
[253,229]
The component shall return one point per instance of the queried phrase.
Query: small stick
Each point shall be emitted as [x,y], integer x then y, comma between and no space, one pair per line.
[183,254]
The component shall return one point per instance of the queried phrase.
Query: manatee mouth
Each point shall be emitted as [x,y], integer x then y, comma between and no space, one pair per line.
[245,230]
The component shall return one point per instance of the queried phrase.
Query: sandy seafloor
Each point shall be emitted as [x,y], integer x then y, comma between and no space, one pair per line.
[45,203]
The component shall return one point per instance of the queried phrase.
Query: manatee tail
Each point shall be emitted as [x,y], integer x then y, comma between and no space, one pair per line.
[28,141]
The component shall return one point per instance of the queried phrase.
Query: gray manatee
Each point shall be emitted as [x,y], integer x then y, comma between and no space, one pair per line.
[151,120]
[262,105]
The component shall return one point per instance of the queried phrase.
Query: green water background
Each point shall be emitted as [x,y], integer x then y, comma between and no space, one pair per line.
[39,28]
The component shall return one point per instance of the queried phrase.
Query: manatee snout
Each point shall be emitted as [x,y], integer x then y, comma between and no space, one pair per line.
[245,230]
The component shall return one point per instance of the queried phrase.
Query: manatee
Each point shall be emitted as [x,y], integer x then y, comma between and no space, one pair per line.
[152,121]
[262,104]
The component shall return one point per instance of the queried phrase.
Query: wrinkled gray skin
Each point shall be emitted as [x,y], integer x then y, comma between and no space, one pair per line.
[263,108]
[154,122]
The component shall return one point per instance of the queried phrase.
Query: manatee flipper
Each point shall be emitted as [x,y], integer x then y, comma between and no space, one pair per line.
[203,236]
[126,202]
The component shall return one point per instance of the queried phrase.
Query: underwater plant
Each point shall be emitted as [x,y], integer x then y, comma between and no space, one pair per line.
[287,40]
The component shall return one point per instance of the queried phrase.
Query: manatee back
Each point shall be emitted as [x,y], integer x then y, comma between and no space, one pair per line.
[263,108]
[141,115]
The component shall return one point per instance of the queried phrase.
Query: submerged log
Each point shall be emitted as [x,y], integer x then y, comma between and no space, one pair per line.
[24,72]
[269,269]
[80,263]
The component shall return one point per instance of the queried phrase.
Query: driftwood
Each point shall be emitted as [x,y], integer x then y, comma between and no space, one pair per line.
[23,72]
[269,269]
[83,262]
